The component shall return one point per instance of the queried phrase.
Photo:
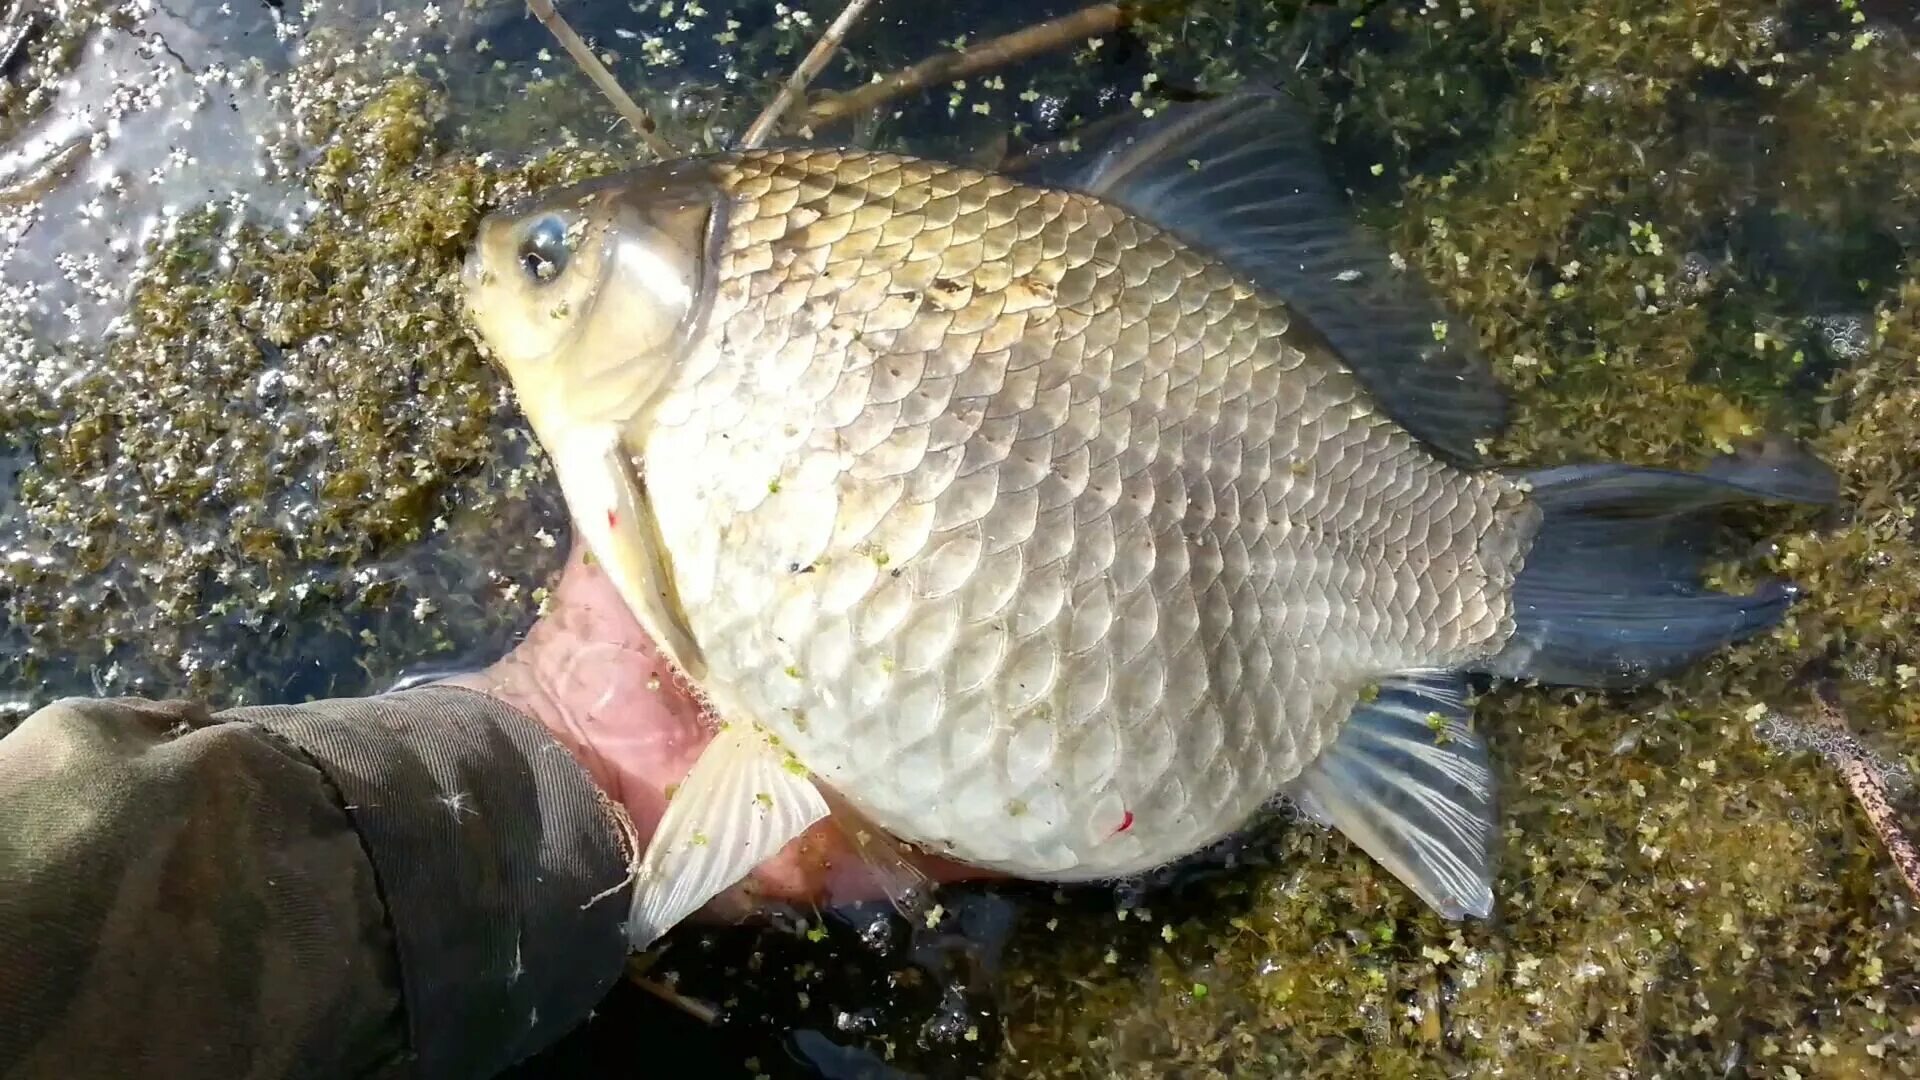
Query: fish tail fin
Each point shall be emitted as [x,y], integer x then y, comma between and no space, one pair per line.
[1609,594]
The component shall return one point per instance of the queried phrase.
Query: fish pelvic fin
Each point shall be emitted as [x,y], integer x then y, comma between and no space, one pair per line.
[744,800]
[1409,782]
[1609,592]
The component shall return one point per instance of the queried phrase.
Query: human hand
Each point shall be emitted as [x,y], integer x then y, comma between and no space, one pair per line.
[589,675]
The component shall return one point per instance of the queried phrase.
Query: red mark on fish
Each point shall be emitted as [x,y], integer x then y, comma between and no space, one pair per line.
[1126,822]
[613,520]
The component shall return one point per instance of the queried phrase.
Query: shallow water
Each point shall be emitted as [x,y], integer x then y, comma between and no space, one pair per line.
[249,455]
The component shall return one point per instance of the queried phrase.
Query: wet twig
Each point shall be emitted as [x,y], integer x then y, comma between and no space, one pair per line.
[17,37]
[637,968]
[1009,48]
[1869,789]
[796,84]
[28,174]
[704,1013]
[634,115]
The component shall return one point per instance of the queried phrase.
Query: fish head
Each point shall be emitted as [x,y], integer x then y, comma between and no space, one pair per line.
[587,295]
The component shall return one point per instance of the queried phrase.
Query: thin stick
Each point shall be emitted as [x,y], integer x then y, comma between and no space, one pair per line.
[1085,23]
[1870,791]
[796,83]
[706,1014]
[635,115]
[637,968]
[24,179]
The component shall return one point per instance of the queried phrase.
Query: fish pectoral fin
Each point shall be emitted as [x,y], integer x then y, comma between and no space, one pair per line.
[743,801]
[1409,783]
[608,500]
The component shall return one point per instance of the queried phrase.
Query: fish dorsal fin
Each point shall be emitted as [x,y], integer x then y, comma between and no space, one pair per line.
[1408,782]
[1243,177]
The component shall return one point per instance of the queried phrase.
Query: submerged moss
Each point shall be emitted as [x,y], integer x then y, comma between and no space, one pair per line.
[293,454]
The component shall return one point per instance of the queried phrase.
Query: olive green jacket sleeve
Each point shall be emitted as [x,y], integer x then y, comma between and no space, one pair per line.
[420,884]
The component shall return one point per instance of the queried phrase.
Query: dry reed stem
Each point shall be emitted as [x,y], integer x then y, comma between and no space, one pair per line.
[1870,791]
[635,116]
[796,84]
[1006,49]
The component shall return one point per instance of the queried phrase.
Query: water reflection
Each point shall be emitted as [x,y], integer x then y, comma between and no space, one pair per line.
[160,114]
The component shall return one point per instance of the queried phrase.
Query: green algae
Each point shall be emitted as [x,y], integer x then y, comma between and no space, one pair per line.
[293,455]
[37,49]
[1674,227]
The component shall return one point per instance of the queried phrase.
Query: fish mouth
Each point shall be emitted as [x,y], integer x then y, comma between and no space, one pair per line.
[473,270]
[475,277]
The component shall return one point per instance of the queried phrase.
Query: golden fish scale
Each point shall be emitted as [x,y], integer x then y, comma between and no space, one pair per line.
[1028,527]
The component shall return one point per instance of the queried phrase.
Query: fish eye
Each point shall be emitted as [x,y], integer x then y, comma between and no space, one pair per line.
[543,250]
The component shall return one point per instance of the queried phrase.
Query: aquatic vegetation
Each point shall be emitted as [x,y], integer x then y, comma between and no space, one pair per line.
[290,455]
[1673,225]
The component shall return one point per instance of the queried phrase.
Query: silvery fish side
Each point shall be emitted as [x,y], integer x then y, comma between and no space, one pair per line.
[1035,531]
[1042,523]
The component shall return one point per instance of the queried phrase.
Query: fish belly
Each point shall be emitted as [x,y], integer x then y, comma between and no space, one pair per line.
[1036,533]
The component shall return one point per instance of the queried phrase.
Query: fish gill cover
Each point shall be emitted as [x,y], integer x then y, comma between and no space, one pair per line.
[250,454]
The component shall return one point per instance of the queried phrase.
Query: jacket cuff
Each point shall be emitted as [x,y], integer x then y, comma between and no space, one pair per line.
[503,867]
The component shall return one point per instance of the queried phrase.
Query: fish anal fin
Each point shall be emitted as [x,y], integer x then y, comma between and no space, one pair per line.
[1410,784]
[888,861]
[744,799]
[1243,176]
